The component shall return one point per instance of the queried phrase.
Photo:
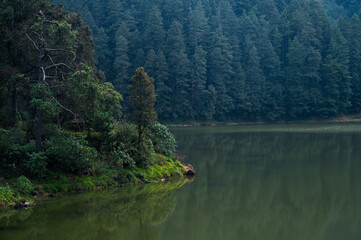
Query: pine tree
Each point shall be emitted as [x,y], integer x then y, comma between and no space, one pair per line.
[199,94]
[355,63]
[154,35]
[102,51]
[179,70]
[150,62]
[121,64]
[198,28]
[220,73]
[164,104]
[296,94]
[256,81]
[142,100]
[139,60]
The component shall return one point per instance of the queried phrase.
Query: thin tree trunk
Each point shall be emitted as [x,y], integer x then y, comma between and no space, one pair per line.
[13,107]
[139,137]
[39,131]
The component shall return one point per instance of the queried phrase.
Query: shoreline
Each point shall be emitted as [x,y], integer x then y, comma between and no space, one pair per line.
[59,184]
[343,119]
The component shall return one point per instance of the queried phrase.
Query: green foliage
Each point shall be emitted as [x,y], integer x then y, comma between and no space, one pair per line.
[124,149]
[234,60]
[142,99]
[68,153]
[62,115]
[145,153]
[36,164]
[162,167]
[163,140]
[14,153]
[122,145]
[5,162]
[24,185]
[122,158]
[7,195]
[96,102]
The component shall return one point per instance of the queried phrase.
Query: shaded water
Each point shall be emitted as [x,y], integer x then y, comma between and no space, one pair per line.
[253,182]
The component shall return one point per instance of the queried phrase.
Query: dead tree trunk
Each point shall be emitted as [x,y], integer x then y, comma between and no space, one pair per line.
[41,79]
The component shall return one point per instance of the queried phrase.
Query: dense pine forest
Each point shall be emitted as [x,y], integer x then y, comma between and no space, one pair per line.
[233,60]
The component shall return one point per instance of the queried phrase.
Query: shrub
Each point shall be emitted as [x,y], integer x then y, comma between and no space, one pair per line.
[5,143]
[122,158]
[163,140]
[24,185]
[145,154]
[13,152]
[35,165]
[69,153]
[125,134]
[121,145]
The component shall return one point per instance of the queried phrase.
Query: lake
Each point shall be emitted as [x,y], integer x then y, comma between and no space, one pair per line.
[299,181]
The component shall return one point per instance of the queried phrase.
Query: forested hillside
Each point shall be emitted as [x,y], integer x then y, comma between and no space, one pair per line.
[233,60]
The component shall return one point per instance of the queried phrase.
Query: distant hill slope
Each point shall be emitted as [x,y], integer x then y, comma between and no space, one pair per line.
[232,60]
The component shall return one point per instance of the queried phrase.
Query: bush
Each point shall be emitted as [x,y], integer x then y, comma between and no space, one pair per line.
[35,165]
[24,185]
[13,152]
[69,153]
[145,154]
[5,142]
[163,140]
[124,134]
[121,145]
[122,158]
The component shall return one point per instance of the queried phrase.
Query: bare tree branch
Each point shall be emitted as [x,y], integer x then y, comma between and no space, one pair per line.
[37,34]
[37,48]
[68,110]
[61,85]
[59,64]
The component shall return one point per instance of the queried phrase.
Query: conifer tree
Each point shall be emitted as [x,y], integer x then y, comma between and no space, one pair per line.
[256,82]
[164,104]
[154,34]
[121,63]
[139,60]
[142,100]
[220,72]
[179,70]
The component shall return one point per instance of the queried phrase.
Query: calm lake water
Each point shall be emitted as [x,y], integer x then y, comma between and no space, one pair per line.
[284,182]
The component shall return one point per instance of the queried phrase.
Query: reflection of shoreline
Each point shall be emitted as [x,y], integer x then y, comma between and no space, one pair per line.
[111,213]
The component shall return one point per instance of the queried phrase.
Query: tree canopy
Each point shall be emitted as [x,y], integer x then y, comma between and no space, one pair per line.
[233,60]
[142,99]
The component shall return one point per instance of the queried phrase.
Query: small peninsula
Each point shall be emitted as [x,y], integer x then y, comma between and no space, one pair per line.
[62,128]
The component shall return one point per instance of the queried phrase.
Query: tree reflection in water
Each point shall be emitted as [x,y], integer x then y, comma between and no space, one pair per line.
[128,213]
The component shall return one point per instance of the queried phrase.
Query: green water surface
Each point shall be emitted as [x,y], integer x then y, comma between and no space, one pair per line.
[284,182]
